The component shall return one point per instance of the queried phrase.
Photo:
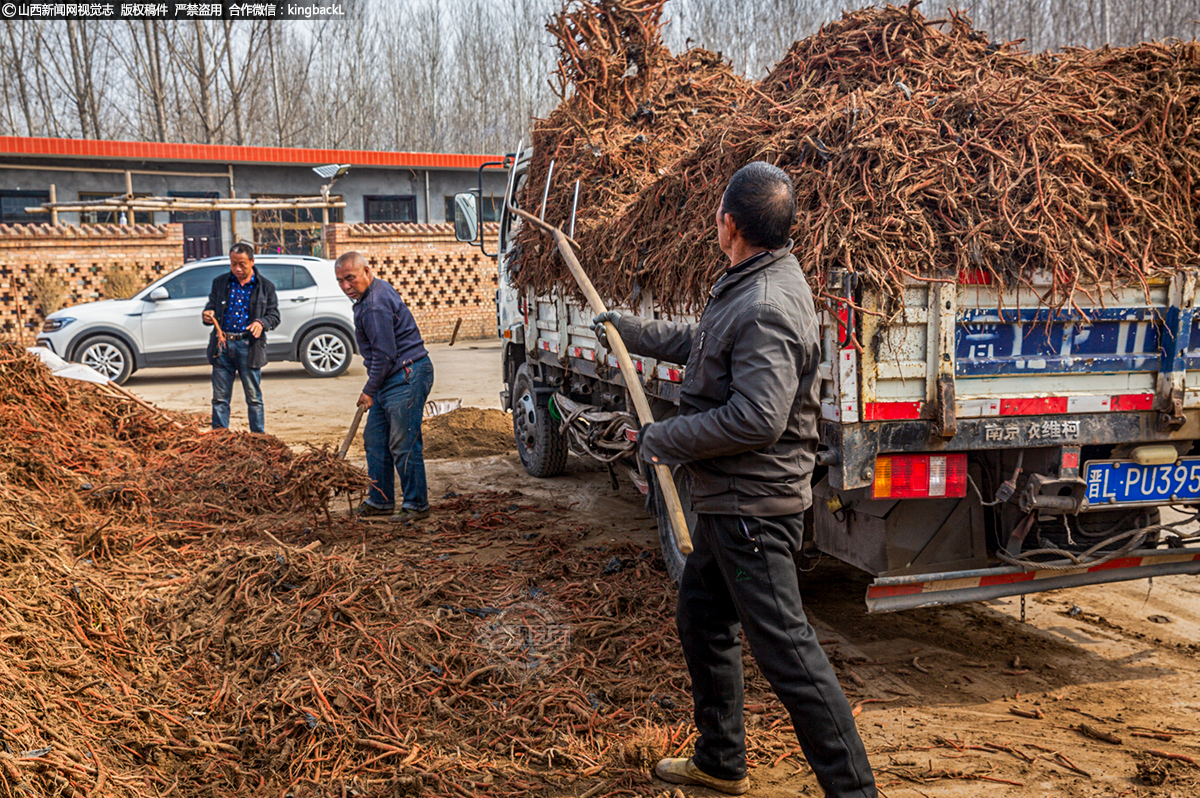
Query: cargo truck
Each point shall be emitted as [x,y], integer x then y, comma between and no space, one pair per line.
[974,444]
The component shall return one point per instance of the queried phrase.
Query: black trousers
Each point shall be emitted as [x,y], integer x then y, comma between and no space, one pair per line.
[742,575]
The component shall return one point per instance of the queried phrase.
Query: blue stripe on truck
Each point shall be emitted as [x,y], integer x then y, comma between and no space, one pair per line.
[1041,341]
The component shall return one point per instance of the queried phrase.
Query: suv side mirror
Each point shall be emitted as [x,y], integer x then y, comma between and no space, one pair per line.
[466,216]
[158,295]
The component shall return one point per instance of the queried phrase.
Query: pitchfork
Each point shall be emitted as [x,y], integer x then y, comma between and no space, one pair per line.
[666,481]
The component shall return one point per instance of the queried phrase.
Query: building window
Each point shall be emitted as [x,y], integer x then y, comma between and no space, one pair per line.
[113,216]
[13,204]
[290,231]
[489,207]
[392,208]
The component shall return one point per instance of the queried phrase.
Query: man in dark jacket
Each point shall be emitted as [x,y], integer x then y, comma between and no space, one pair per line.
[241,308]
[399,378]
[746,433]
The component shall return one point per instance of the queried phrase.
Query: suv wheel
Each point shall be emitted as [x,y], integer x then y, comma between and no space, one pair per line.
[108,355]
[325,352]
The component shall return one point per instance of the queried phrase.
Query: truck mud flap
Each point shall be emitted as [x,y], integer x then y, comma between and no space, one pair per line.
[892,593]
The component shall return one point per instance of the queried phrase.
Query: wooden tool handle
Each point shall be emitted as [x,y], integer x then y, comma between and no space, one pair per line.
[666,482]
[358,413]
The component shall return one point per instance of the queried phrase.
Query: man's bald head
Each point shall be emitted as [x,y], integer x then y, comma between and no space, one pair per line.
[353,274]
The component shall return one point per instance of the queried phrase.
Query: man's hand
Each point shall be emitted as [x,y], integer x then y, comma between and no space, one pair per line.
[641,439]
[637,436]
[209,317]
[366,402]
[610,316]
[255,328]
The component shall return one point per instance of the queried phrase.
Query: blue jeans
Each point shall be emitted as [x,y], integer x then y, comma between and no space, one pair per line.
[235,358]
[392,438]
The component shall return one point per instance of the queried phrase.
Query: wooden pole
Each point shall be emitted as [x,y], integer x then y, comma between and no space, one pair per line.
[233,213]
[454,335]
[345,447]
[666,482]
[324,220]
[16,281]
[324,224]
[54,212]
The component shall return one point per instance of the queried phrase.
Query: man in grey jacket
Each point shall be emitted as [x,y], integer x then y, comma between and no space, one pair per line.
[746,433]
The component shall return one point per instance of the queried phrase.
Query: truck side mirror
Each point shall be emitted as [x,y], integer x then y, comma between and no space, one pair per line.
[466,216]
[158,295]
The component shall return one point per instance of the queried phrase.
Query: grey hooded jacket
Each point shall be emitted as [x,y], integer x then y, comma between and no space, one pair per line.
[747,424]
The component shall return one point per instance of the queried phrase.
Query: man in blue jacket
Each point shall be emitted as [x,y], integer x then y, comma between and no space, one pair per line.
[241,307]
[399,378]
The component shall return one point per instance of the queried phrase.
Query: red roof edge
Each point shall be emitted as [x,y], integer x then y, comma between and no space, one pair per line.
[160,151]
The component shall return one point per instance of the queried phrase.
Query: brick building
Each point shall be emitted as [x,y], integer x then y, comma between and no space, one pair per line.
[380,188]
[396,207]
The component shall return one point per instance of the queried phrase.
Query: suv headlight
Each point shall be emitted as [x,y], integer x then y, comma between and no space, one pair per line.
[51,325]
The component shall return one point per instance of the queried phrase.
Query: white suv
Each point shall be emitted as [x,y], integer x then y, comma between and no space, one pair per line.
[161,326]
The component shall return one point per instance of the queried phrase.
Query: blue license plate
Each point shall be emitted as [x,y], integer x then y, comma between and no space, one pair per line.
[1125,482]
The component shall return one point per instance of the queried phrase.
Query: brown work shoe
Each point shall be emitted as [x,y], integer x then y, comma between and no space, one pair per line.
[368,510]
[682,771]
[406,515]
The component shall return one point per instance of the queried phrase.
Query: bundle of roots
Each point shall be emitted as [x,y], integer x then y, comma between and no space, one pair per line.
[920,150]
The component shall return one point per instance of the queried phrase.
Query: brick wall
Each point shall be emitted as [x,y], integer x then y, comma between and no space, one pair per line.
[440,279]
[80,256]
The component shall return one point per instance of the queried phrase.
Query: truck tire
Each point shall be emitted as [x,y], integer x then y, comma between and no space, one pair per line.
[325,352]
[108,355]
[672,556]
[540,444]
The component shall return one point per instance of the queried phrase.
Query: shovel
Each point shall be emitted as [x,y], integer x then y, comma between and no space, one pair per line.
[666,482]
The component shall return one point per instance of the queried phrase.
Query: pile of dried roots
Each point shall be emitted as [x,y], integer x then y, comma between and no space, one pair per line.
[920,151]
[102,463]
[178,616]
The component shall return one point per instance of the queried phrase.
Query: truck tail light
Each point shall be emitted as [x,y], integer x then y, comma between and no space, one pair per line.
[920,476]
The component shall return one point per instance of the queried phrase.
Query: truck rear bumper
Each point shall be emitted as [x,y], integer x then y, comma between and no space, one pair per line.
[891,593]
[857,445]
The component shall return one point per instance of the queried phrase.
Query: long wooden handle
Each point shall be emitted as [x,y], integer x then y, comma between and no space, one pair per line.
[666,482]
[350,435]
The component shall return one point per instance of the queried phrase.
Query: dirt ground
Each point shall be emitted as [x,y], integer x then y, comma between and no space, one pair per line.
[937,687]
[960,701]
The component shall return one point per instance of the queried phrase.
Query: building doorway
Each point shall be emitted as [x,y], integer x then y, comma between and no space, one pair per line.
[201,229]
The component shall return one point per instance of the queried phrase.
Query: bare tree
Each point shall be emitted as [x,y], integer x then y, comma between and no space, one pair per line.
[291,63]
[438,75]
[198,52]
[240,71]
[12,62]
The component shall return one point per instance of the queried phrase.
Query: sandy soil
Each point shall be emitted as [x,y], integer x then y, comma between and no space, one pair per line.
[300,408]
[945,694]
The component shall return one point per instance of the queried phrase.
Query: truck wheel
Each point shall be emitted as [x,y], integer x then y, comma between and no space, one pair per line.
[542,447]
[108,355]
[672,556]
[325,352]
